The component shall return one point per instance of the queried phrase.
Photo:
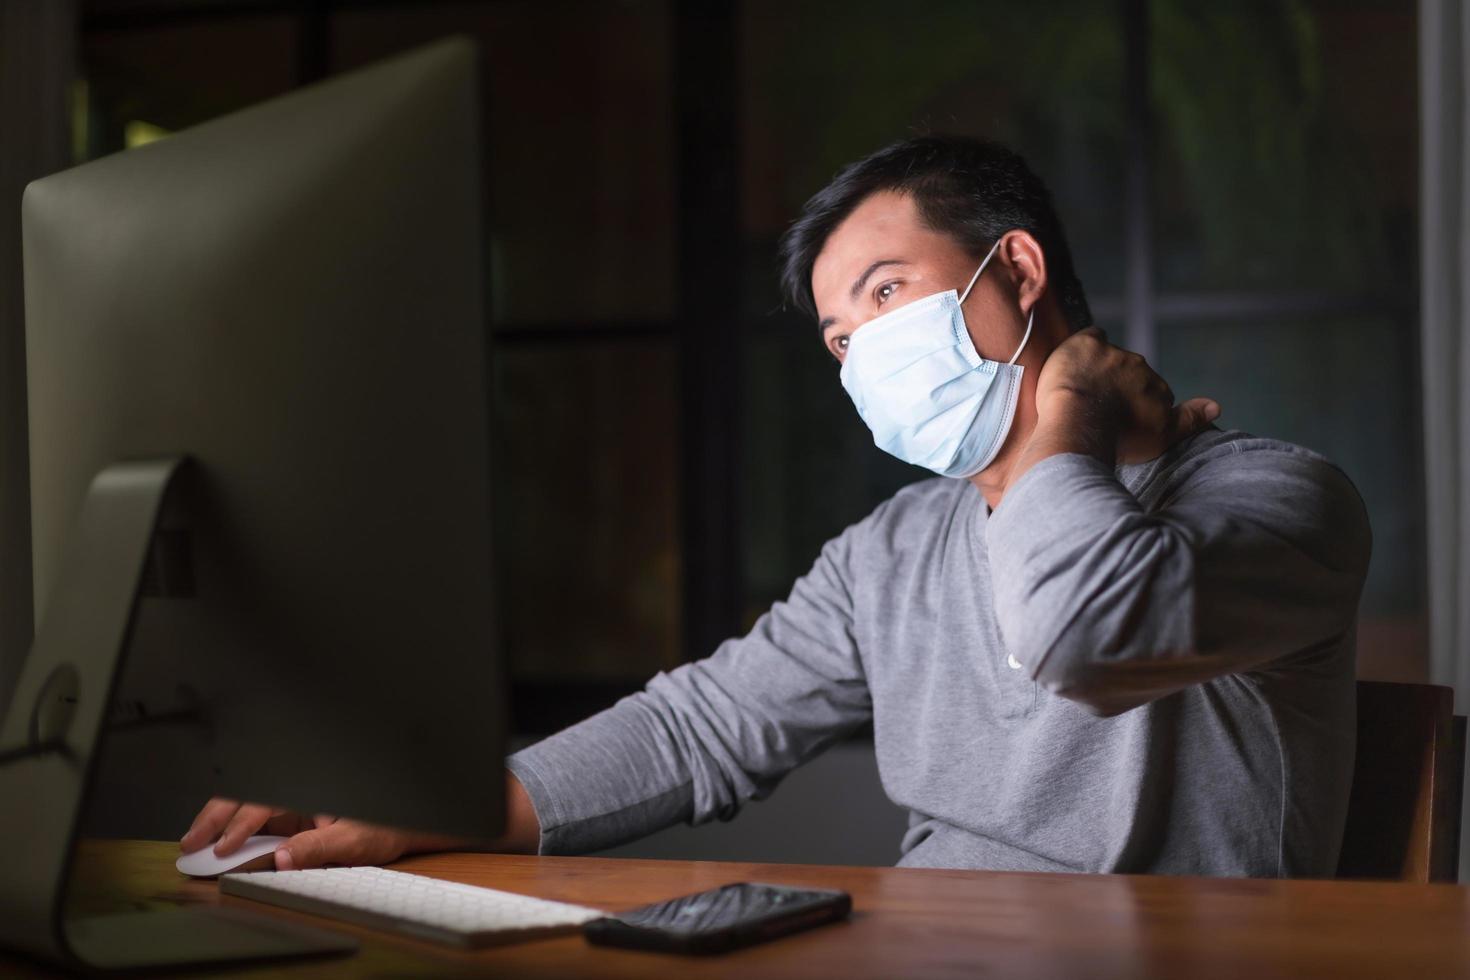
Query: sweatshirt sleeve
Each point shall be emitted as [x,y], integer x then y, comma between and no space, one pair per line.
[702,739]
[1260,555]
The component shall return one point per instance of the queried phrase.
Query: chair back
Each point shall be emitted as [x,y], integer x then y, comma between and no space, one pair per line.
[1404,814]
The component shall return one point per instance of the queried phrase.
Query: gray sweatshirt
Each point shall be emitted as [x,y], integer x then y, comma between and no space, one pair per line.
[1147,669]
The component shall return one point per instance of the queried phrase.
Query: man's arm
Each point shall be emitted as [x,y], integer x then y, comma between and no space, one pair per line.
[519,837]
[702,739]
[696,744]
[1261,555]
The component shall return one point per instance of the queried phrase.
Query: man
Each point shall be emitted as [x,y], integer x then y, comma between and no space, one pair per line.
[1109,638]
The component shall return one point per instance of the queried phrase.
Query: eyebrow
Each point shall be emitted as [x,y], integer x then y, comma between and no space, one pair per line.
[857,287]
[862,280]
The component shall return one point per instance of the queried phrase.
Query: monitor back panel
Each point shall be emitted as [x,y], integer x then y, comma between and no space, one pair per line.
[291,296]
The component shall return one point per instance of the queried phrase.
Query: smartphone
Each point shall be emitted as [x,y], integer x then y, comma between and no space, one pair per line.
[721,919]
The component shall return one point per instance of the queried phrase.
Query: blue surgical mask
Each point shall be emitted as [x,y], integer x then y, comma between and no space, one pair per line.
[926,393]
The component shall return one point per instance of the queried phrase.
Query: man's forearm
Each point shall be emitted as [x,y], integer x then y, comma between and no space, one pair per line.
[522,829]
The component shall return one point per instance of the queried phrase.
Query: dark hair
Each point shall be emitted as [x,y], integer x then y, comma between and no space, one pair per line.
[972,190]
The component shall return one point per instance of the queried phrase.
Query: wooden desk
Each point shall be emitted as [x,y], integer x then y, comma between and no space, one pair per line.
[906,923]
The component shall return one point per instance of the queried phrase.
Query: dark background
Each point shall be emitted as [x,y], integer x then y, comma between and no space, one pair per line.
[1239,183]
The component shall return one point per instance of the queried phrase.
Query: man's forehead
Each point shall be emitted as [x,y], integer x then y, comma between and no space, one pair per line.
[882,222]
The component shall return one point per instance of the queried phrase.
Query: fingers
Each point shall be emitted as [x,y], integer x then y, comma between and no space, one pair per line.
[208,824]
[248,819]
[283,823]
[1192,416]
[229,823]
[340,842]
[314,849]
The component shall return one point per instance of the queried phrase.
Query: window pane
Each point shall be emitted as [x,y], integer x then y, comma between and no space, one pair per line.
[1333,386]
[586,515]
[824,84]
[578,146]
[1287,144]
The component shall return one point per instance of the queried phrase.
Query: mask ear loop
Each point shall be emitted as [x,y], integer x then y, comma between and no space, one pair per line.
[1029,320]
[976,277]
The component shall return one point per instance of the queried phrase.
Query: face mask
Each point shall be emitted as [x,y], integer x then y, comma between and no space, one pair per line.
[928,396]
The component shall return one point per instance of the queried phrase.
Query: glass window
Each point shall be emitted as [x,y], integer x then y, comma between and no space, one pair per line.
[1287,145]
[1287,163]
[579,146]
[586,515]
[1336,386]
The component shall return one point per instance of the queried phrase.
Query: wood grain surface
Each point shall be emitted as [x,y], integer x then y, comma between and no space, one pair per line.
[906,922]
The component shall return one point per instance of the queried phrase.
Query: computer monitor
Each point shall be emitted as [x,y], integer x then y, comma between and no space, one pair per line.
[289,300]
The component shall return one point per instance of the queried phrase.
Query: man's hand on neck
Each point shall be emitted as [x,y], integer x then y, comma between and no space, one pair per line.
[1101,401]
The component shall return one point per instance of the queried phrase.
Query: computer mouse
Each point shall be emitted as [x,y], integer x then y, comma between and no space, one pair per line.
[258,852]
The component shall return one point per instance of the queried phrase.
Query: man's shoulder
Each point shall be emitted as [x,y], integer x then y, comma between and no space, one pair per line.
[913,515]
[1234,442]
[941,490]
[1217,457]
[925,500]
[1296,491]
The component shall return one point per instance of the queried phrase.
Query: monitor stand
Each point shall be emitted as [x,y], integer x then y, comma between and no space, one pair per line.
[49,745]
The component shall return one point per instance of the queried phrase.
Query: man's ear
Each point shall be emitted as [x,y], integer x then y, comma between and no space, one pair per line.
[1025,262]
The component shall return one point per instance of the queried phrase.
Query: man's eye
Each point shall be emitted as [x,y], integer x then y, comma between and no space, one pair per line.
[884,291]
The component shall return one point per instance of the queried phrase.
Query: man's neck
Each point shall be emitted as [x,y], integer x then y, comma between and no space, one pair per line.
[990,484]
[992,481]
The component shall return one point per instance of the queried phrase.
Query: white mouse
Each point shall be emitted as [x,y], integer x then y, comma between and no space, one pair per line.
[204,864]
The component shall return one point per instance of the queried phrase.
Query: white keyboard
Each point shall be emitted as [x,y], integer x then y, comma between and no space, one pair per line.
[425,908]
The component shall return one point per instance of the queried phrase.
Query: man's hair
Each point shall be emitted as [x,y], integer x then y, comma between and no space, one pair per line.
[972,190]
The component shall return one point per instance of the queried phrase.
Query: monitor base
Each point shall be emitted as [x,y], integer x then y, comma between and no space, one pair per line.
[166,938]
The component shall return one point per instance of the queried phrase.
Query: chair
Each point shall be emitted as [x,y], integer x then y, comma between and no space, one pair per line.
[1403,818]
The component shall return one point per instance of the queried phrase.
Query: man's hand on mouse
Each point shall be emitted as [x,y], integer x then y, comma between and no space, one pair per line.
[314,841]
[322,840]
[1106,402]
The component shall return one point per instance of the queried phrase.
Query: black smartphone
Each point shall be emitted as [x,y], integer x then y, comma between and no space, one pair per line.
[721,918]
